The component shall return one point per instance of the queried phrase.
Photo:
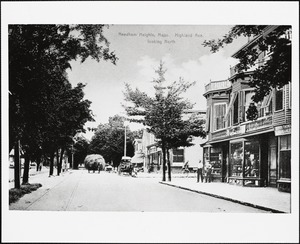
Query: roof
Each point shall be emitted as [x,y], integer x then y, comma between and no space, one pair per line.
[253,42]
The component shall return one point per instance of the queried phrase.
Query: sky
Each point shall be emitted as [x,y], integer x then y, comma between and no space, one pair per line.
[139,49]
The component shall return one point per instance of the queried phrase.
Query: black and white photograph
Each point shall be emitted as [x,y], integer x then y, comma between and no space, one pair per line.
[150,122]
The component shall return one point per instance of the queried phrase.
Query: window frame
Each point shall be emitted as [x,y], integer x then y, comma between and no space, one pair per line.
[284,151]
[282,102]
[237,97]
[244,101]
[176,155]
[215,117]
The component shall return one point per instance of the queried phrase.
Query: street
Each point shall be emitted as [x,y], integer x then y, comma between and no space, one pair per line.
[83,191]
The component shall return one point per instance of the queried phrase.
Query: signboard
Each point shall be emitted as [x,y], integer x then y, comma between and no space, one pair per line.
[258,124]
[236,130]
[282,130]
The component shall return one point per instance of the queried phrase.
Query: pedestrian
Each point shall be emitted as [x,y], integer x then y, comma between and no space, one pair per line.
[200,171]
[208,169]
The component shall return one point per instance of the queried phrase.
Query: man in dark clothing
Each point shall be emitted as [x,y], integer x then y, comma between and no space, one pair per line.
[200,171]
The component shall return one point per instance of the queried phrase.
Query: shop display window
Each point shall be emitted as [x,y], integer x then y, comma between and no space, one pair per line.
[285,157]
[236,160]
[215,161]
[251,165]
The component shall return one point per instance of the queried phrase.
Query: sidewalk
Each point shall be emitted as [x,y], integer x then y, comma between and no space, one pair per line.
[34,176]
[266,198]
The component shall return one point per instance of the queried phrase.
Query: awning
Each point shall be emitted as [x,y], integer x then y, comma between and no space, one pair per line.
[138,158]
[126,158]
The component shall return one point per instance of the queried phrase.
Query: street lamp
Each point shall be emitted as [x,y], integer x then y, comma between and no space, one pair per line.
[126,123]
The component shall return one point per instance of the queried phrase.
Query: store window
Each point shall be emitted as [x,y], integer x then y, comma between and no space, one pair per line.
[251,166]
[219,121]
[285,157]
[215,161]
[278,99]
[178,155]
[236,110]
[236,160]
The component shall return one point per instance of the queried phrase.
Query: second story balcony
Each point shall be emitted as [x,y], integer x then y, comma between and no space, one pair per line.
[234,70]
[217,85]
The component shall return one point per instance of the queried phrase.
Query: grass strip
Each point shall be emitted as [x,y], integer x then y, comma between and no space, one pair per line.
[15,194]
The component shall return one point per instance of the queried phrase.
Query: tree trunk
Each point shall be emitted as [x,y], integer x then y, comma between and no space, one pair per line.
[51,163]
[169,165]
[17,167]
[26,169]
[164,161]
[38,162]
[57,162]
[61,159]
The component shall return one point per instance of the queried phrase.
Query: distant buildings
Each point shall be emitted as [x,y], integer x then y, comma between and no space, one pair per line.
[153,154]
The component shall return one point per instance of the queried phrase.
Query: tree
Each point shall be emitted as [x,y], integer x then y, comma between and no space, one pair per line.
[38,58]
[80,151]
[252,113]
[162,114]
[276,72]
[108,140]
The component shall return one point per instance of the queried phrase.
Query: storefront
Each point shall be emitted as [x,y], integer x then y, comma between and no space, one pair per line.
[216,155]
[247,160]
[154,158]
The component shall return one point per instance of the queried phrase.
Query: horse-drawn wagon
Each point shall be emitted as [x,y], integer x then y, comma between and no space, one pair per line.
[94,162]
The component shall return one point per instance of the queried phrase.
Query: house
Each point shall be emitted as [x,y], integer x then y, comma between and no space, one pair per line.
[138,158]
[242,151]
[178,157]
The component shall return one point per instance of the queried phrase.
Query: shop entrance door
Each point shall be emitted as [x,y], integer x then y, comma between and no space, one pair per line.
[224,163]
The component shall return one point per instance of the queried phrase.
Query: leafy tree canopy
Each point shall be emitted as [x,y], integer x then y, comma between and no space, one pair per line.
[276,71]
[162,114]
[45,112]
[108,140]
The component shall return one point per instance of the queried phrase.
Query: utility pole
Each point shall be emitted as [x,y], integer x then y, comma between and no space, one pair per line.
[125,142]
[17,167]
[125,139]
[72,165]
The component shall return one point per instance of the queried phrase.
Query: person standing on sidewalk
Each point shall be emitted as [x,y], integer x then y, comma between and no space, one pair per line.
[208,169]
[200,171]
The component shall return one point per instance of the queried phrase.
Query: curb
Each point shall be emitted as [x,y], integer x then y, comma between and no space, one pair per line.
[225,198]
